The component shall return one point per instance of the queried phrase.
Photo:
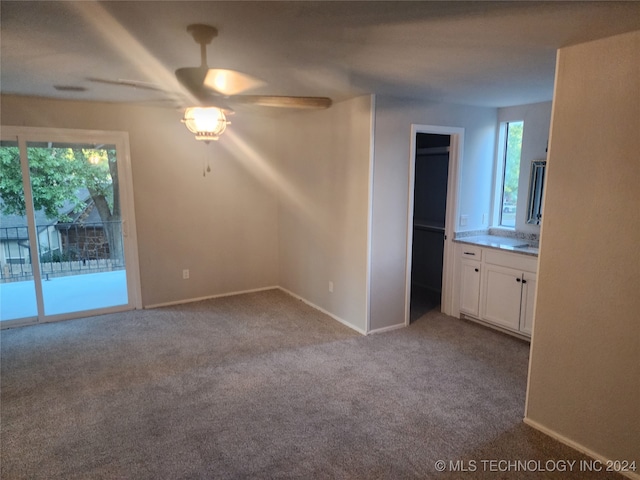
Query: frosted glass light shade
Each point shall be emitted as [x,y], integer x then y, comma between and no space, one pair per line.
[208,123]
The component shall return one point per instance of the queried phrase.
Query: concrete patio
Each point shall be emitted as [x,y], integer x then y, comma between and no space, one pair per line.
[74,293]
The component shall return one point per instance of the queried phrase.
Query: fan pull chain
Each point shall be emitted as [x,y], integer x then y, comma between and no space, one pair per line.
[207,159]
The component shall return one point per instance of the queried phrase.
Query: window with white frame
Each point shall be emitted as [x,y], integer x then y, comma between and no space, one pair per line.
[509,172]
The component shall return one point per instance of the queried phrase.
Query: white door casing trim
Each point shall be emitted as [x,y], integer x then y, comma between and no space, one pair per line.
[453,186]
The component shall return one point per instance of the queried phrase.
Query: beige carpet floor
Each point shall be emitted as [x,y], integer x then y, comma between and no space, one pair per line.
[263,386]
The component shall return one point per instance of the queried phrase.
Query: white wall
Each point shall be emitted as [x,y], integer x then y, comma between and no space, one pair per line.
[584,382]
[325,162]
[535,137]
[392,140]
[286,202]
[222,227]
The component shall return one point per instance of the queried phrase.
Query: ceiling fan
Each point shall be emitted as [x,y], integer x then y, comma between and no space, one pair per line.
[222,88]
[216,90]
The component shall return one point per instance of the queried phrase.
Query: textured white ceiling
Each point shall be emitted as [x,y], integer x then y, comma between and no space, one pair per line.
[476,53]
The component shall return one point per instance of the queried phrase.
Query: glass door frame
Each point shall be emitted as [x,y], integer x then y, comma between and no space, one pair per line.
[23,135]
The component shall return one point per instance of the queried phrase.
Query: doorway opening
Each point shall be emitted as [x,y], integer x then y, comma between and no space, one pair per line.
[429,211]
[435,156]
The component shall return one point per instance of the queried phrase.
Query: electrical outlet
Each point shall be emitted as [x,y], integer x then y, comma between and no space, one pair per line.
[185,274]
[330,287]
[463,220]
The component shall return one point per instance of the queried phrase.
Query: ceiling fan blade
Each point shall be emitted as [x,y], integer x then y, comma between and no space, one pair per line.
[281,101]
[202,80]
[230,82]
[128,83]
[215,100]
[192,78]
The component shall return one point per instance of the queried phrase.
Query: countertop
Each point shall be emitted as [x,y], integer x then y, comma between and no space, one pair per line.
[510,244]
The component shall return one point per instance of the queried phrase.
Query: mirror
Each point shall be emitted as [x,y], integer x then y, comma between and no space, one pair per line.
[536,184]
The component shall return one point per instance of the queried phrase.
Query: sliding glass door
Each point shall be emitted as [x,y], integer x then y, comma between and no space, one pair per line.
[75,256]
[17,285]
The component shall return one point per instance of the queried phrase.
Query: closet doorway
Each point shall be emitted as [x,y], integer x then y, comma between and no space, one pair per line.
[433,183]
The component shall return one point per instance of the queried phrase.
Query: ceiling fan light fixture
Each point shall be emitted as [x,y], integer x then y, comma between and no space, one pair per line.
[208,123]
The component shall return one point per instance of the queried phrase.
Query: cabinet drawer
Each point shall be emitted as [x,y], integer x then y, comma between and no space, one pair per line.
[471,252]
[511,260]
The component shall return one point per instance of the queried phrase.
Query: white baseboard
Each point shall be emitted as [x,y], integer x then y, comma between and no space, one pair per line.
[580,448]
[208,297]
[335,317]
[513,333]
[387,329]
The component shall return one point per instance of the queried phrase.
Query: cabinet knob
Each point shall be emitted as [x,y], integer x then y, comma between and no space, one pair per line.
[476,270]
[524,281]
[517,279]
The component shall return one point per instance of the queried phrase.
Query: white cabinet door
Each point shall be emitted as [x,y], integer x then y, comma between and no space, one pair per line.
[501,295]
[528,300]
[470,288]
